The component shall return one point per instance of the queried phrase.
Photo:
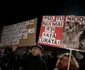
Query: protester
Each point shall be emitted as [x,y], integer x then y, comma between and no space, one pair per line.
[5,60]
[33,61]
[62,63]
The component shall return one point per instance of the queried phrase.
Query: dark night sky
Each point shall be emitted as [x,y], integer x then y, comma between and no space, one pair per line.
[11,14]
[14,13]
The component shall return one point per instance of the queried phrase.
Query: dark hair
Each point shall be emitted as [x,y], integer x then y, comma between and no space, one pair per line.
[8,49]
[82,37]
[39,46]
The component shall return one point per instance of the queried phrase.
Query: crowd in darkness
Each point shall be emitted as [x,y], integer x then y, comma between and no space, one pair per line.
[13,60]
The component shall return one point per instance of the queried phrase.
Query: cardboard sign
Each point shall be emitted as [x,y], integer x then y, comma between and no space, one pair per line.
[22,34]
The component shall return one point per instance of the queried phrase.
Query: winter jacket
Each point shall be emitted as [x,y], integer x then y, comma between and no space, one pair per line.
[33,63]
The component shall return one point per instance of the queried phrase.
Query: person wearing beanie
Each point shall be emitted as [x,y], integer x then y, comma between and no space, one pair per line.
[33,60]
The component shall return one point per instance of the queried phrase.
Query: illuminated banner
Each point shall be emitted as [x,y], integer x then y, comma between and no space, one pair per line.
[73,36]
[51,30]
[21,34]
[63,31]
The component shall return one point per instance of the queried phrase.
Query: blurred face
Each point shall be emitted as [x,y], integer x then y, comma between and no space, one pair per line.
[64,61]
[83,42]
[36,51]
[71,25]
[66,26]
[6,52]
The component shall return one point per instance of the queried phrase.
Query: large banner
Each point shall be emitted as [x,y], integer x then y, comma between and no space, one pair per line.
[20,34]
[51,30]
[63,31]
[73,36]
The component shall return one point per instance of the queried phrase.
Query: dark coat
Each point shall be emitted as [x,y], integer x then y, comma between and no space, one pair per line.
[9,62]
[33,63]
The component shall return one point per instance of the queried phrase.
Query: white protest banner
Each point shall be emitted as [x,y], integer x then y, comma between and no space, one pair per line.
[63,31]
[73,36]
[20,34]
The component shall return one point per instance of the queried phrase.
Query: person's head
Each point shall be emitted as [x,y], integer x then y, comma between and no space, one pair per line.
[66,26]
[82,41]
[36,50]
[62,62]
[7,51]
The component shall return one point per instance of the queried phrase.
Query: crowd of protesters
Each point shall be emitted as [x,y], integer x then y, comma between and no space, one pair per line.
[37,58]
